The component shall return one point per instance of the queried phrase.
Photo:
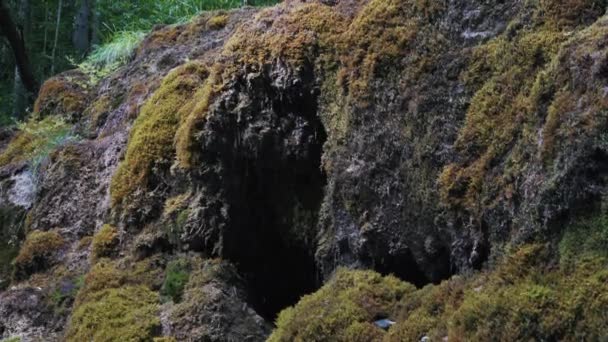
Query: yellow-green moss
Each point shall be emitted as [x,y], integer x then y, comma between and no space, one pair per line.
[84,243]
[118,302]
[338,309]
[98,110]
[36,252]
[217,22]
[523,298]
[34,139]
[570,13]
[151,141]
[103,275]
[175,204]
[165,339]
[522,78]
[500,111]
[119,314]
[104,242]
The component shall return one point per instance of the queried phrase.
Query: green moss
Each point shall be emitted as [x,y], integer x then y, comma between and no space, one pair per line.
[37,253]
[117,302]
[586,238]
[177,275]
[103,275]
[570,13]
[119,314]
[104,242]
[506,69]
[150,145]
[341,308]
[217,22]
[98,110]
[522,298]
[523,80]
[62,297]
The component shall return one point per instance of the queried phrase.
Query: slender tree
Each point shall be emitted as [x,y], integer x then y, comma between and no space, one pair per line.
[81,36]
[11,32]
[57,25]
[22,98]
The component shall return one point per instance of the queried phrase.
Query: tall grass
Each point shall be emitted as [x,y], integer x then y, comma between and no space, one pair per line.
[118,50]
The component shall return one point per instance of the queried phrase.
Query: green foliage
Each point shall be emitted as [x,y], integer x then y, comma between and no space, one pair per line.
[120,16]
[177,275]
[104,242]
[116,52]
[36,253]
[35,140]
[128,313]
[61,299]
[11,339]
[586,238]
[8,252]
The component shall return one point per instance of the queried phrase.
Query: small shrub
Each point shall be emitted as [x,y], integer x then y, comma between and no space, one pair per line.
[104,242]
[36,140]
[37,253]
[177,275]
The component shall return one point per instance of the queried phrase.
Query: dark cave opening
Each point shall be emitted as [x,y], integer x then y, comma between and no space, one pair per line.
[274,209]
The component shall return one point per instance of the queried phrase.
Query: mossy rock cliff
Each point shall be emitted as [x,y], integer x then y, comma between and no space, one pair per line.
[328,170]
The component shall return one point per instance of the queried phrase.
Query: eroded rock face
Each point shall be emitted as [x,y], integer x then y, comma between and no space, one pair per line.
[415,138]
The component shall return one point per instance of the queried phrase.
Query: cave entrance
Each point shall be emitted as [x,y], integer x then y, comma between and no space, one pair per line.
[277,192]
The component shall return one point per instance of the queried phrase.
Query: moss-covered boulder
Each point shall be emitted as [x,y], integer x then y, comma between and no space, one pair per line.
[65,96]
[344,309]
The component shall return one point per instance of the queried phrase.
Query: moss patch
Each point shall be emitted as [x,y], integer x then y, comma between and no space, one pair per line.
[37,253]
[119,314]
[177,275]
[342,308]
[217,22]
[104,242]
[118,302]
[64,96]
[150,145]
[521,299]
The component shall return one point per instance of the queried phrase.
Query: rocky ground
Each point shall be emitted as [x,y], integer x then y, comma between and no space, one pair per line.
[436,163]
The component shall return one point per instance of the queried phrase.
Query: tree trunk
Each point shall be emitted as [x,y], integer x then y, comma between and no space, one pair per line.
[15,39]
[82,31]
[59,7]
[21,96]
[95,38]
